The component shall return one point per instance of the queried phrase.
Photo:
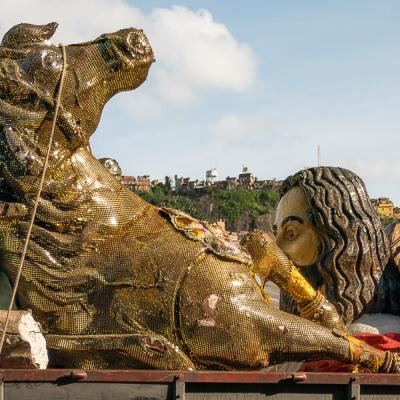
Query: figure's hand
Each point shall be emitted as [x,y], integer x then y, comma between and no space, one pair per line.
[263,251]
[391,363]
[269,262]
[370,358]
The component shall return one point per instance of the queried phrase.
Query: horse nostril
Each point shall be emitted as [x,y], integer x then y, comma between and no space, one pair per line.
[136,43]
[131,39]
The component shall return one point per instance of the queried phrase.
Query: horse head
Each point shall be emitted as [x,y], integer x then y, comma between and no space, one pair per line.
[30,73]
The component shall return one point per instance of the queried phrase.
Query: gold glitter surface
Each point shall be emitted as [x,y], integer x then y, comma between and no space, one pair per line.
[114,281]
[270,263]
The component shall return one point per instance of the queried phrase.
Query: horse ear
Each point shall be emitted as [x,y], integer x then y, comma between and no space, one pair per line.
[49,29]
[27,34]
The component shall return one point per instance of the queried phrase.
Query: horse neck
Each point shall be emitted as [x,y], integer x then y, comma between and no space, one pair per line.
[95,179]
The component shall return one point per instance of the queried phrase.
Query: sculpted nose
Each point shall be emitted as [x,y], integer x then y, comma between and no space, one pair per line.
[138,43]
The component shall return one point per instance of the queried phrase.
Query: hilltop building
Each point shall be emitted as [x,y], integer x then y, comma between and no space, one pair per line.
[129,182]
[384,207]
[246,180]
[184,185]
[181,183]
[267,184]
[228,184]
[211,176]
[140,183]
[143,183]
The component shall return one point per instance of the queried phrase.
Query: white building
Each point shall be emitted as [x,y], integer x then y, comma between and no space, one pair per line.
[212,176]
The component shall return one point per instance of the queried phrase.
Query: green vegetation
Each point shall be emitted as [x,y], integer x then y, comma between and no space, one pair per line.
[387,220]
[211,204]
[162,196]
[232,204]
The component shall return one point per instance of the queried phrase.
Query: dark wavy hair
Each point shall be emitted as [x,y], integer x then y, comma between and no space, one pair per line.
[353,246]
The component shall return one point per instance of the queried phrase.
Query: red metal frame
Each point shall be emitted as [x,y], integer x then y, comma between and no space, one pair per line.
[151,376]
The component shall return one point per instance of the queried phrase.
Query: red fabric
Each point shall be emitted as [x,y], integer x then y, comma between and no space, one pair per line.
[388,341]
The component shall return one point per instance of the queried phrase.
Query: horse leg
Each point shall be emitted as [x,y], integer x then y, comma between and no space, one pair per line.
[143,350]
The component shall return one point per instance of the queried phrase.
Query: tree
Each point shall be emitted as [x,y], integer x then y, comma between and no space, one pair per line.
[230,205]
[168,185]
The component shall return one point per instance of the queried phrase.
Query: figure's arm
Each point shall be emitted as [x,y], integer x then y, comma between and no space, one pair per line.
[270,263]
[224,321]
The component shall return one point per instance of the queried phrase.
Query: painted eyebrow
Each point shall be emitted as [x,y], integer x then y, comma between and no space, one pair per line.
[292,218]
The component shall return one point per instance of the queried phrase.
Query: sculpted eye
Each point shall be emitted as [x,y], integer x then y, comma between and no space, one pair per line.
[291,233]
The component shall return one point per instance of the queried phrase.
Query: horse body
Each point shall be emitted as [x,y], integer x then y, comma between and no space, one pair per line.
[114,281]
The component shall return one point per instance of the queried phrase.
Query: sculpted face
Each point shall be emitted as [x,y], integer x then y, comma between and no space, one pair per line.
[294,233]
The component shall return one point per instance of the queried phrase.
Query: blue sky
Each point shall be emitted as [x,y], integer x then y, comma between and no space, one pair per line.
[256,83]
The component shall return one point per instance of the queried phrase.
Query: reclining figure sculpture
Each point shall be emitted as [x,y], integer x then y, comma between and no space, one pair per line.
[348,257]
[114,281]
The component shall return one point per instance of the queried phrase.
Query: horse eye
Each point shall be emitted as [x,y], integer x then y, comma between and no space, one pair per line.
[114,67]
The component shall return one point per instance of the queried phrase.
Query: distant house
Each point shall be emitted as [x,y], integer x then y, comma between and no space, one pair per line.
[383,206]
[271,184]
[212,176]
[140,183]
[143,183]
[220,185]
[246,179]
[129,182]
[232,183]
[181,184]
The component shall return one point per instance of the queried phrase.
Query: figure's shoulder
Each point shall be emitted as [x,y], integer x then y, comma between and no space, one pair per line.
[213,237]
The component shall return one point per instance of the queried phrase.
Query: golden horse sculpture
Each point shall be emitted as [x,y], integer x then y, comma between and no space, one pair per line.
[114,281]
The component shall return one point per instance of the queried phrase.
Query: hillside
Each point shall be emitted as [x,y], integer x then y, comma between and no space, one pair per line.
[242,210]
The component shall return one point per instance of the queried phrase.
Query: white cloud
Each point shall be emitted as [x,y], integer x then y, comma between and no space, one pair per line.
[194,48]
[232,126]
[250,130]
[79,20]
[193,51]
